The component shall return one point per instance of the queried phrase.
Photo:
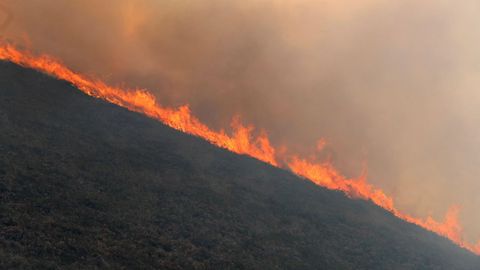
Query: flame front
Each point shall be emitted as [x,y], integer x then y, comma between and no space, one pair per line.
[242,141]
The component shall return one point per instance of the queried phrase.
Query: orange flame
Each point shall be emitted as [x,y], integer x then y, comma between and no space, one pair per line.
[241,141]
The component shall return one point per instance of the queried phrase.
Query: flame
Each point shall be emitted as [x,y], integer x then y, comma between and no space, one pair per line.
[242,140]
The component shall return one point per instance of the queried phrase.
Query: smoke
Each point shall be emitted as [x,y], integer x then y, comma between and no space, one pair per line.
[5,18]
[392,83]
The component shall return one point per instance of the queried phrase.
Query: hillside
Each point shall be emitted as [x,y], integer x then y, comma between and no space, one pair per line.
[85,184]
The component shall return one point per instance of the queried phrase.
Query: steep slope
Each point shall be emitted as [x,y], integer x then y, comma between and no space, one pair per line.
[87,184]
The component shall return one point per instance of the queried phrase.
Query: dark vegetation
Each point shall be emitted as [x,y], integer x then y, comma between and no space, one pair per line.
[88,185]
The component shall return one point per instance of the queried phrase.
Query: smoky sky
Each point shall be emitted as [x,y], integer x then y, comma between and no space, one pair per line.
[393,84]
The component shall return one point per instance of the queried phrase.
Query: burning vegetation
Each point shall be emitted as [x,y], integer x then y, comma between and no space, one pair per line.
[242,140]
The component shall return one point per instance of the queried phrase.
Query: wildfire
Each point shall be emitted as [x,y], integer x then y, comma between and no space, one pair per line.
[242,140]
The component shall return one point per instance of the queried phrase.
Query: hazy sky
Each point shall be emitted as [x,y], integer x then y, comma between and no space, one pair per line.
[391,83]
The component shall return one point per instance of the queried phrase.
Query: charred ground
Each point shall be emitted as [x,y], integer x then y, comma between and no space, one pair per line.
[85,184]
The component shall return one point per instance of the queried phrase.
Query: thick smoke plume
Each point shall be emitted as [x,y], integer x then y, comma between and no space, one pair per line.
[392,83]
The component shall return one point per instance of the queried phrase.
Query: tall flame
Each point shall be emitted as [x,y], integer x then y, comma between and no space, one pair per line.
[242,140]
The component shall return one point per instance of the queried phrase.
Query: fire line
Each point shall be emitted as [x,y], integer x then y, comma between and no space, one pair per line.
[242,140]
